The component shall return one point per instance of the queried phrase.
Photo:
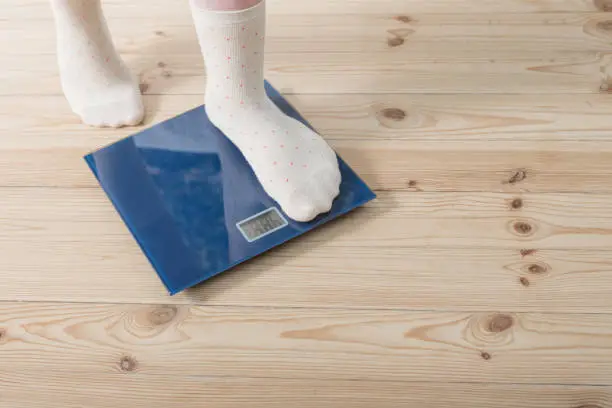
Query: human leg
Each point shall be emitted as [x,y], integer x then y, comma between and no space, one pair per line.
[295,166]
[98,85]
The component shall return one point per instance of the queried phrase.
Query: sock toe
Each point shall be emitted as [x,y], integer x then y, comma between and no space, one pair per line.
[300,207]
[128,111]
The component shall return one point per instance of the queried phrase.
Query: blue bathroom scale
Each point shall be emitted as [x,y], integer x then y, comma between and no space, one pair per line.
[193,203]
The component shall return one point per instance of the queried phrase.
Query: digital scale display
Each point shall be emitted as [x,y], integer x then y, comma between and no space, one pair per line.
[262,224]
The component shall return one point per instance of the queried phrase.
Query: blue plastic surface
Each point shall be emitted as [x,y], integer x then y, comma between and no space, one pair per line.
[181,187]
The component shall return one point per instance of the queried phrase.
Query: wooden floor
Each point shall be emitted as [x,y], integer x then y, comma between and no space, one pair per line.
[481,277]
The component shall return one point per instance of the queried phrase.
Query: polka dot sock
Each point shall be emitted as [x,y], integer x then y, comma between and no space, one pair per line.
[96,82]
[296,167]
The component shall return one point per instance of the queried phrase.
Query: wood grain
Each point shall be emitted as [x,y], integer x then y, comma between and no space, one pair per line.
[313,73]
[396,142]
[395,220]
[164,9]
[495,347]
[480,277]
[415,166]
[552,52]
[135,390]
[491,35]
[405,117]
[71,245]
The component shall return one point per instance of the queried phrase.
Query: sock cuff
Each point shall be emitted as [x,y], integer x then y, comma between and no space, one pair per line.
[228,17]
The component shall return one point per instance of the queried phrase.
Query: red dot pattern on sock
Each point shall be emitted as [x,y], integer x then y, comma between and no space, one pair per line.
[244,102]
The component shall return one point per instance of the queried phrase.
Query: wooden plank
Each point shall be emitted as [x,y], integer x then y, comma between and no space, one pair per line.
[495,347]
[46,121]
[106,390]
[312,73]
[72,244]
[404,166]
[396,142]
[550,54]
[397,219]
[429,34]
[164,9]
[511,167]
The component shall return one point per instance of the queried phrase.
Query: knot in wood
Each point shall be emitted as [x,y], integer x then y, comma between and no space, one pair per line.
[395,41]
[500,323]
[537,269]
[394,114]
[522,227]
[403,19]
[527,252]
[163,315]
[516,204]
[518,176]
[127,364]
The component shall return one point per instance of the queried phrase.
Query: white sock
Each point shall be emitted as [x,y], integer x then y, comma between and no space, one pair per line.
[96,82]
[295,166]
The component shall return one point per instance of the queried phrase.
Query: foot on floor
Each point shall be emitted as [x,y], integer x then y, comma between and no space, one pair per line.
[97,83]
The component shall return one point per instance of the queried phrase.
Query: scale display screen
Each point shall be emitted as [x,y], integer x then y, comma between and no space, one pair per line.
[262,224]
